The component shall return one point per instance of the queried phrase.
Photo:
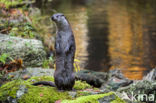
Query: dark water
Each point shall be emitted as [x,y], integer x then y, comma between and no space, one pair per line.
[111,33]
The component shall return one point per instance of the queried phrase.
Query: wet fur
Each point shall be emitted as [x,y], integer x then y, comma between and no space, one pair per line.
[65,50]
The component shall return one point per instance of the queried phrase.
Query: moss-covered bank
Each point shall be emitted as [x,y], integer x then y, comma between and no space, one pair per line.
[23,92]
[94,99]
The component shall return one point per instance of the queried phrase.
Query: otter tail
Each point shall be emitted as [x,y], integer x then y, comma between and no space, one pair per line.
[46,83]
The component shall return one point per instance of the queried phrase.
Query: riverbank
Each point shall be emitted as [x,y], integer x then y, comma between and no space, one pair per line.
[26,56]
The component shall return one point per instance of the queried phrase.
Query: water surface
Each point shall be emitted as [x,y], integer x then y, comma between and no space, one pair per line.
[111,33]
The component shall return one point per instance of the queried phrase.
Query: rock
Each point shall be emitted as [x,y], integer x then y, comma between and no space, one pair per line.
[107,99]
[34,12]
[11,100]
[113,80]
[139,91]
[116,73]
[116,80]
[72,94]
[91,77]
[151,76]
[93,92]
[22,90]
[30,72]
[31,51]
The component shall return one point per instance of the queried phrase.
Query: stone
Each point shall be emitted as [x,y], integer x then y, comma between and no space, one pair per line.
[22,90]
[91,77]
[151,76]
[72,94]
[116,80]
[107,99]
[31,51]
[31,72]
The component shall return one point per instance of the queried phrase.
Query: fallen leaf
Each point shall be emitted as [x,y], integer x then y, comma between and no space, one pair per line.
[26,77]
[58,101]
[12,76]
[41,94]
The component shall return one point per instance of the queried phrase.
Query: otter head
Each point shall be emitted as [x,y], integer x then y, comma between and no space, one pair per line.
[60,20]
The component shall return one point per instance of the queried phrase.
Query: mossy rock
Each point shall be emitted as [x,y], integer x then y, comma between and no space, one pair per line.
[21,91]
[31,51]
[98,98]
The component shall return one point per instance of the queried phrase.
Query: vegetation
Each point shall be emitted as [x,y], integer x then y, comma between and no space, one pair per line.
[93,99]
[25,92]
[18,20]
[3,57]
[23,22]
[14,3]
[81,85]
[76,66]
[8,3]
[48,62]
[23,30]
[36,94]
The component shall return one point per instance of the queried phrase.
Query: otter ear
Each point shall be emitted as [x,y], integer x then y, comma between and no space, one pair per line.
[62,15]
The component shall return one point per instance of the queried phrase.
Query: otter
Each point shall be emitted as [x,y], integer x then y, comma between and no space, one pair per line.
[64,76]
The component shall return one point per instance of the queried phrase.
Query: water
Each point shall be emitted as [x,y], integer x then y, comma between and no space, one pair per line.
[111,33]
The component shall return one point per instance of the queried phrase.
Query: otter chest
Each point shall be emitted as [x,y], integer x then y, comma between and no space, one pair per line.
[62,41]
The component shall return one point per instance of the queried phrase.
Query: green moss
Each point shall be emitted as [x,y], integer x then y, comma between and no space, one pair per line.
[80,85]
[35,94]
[47,62]
[19,28]
[82,93]
[118,100]
[43,78]
[3,57]
[93,99]
[46,94]
[12,3]
[9,89]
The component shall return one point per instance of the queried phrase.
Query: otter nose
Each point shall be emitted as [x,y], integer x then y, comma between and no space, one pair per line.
[53,18]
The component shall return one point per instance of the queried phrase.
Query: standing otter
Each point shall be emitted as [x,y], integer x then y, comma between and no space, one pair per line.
[65,52]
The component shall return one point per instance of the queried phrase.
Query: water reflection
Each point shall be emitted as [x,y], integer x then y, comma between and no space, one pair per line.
[98,58]
[112,33]
[130,46]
